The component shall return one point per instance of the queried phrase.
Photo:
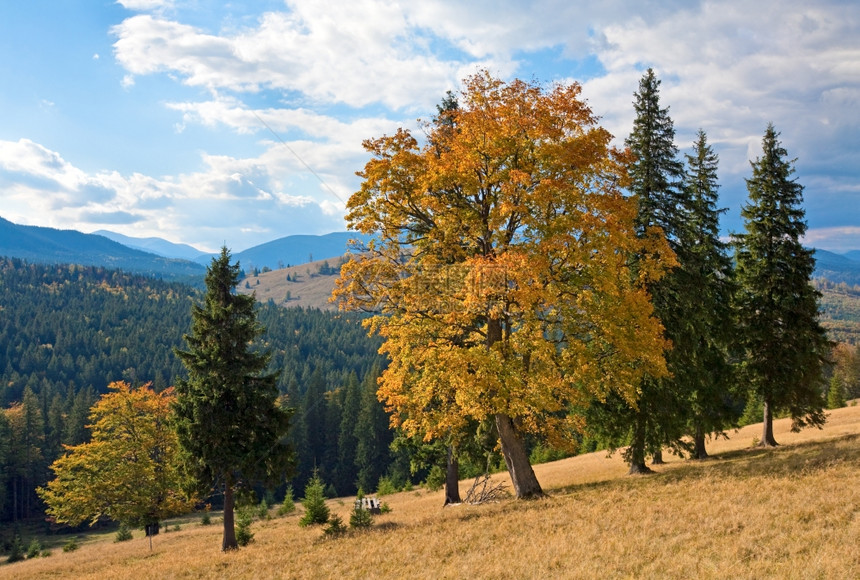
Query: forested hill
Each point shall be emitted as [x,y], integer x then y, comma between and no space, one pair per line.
[66,332]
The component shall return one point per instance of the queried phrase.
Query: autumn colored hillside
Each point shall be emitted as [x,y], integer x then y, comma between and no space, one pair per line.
[791,512]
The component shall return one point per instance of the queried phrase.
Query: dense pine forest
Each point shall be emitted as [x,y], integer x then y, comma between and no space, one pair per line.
[69,331]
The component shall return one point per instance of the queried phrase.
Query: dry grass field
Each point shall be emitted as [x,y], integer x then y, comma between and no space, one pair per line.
[307,290]
[791,512]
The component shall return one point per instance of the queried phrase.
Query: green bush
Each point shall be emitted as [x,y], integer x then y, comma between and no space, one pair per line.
[335,526]
[316,511]
[542,453]
[71,545]
[385,487]
[206,519]
[123,534]
[16,553]
[435,478]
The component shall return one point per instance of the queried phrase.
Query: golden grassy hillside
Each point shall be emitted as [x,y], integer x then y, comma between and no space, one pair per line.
[792,512]
[307,288]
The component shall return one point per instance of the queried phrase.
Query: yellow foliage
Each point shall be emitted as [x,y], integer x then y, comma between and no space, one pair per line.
[128,471]
[502,273]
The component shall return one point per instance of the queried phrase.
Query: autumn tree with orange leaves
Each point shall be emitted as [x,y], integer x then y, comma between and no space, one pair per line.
[500,270]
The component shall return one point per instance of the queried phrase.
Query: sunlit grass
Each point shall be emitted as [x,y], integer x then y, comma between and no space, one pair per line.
[791,512]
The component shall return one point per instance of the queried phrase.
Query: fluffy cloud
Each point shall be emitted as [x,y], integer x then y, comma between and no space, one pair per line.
[307,51]
[301,86]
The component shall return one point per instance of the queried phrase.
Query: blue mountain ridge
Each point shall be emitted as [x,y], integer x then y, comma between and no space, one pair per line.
[158,257]
[54,246]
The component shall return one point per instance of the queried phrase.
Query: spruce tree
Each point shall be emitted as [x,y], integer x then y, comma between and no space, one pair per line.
[347,469]
[229,424]
[656,177]
[835,398]
[373,435]
[707,273]
[316,510]
[783,344]
[656,173]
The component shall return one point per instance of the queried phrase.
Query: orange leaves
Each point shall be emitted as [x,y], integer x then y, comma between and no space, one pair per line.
[501,269]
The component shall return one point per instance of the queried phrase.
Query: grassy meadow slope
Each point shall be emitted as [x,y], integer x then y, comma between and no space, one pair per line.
[307,288]
[792,512]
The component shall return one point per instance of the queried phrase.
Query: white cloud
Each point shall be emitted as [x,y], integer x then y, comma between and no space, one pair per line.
[325,59]
[836,239]
[325,76]
[239,201]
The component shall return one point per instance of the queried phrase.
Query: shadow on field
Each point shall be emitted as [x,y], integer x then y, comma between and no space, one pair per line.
[784,461]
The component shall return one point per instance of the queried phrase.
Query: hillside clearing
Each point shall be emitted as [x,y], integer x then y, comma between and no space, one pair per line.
[792,512]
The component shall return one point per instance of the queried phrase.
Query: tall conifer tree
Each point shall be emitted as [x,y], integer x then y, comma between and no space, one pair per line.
[784,345]
[230,427]
[656,177]
[707,272]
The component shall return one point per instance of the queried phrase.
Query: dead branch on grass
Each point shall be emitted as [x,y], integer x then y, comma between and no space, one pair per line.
[484,491]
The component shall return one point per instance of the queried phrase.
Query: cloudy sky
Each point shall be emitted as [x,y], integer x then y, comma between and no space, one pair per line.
[210,123]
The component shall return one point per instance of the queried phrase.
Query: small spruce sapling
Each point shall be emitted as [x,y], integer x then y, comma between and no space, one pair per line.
[123,534]
[316,511]
[34,549]
[289,505]
[360,517]
[17,551]
[835,398]
[335,526]
[244,516]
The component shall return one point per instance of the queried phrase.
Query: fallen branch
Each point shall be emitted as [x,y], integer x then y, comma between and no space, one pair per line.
[483,491]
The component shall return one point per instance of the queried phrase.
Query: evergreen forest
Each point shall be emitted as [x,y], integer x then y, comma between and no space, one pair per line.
[69,331]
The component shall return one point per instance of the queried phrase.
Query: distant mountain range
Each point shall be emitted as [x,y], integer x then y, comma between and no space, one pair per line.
[157,246]
[838,267]
[160,258]
[53,246]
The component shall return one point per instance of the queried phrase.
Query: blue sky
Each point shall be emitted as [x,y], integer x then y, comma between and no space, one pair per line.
[149,117]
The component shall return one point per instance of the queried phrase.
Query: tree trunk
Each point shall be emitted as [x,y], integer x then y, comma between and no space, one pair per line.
[526,485]
[452,478]
[767,439]
[229,540]
[699,451]
[658,458]
[637,446]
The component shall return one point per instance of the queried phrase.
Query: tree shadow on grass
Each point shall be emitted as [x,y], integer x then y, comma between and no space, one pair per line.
[785,461]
